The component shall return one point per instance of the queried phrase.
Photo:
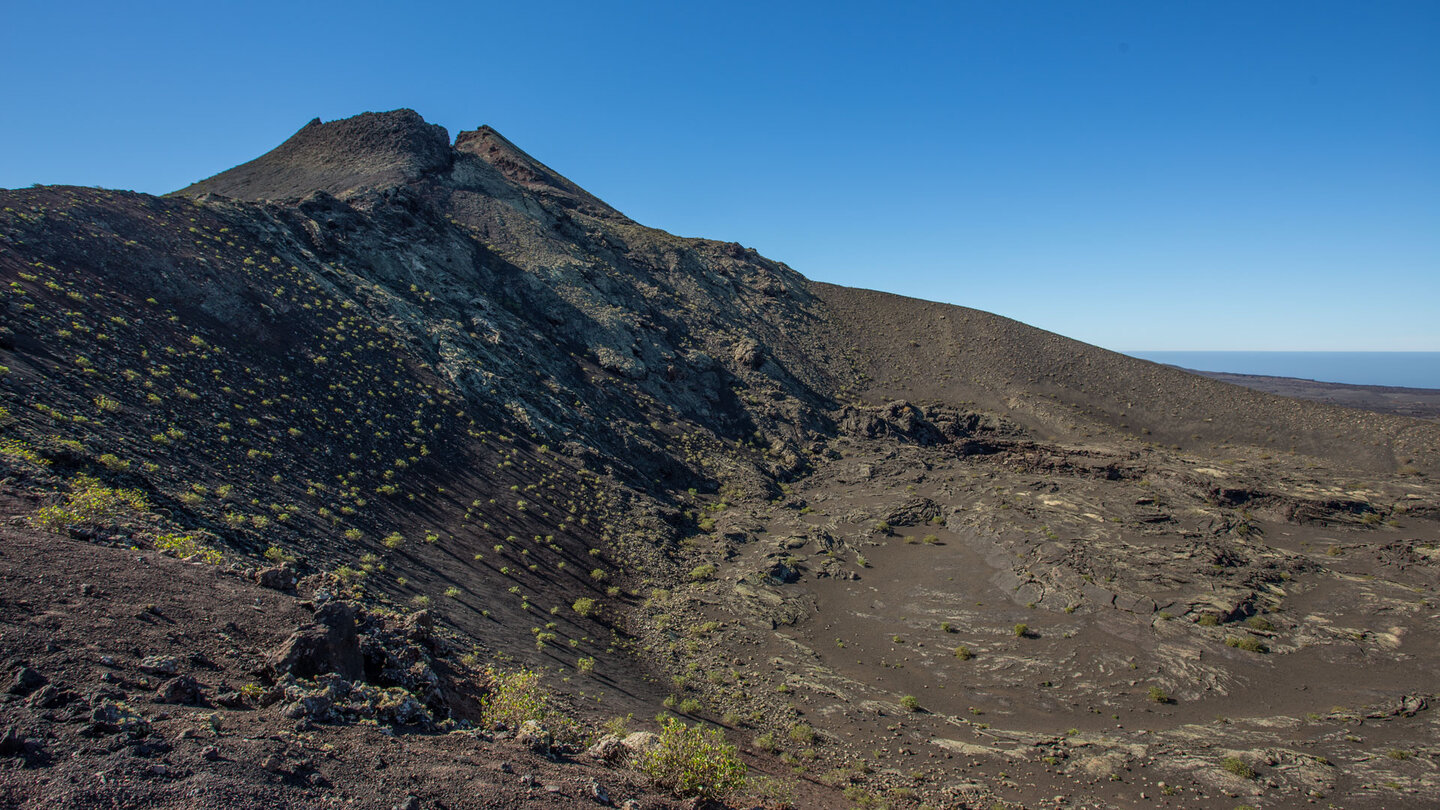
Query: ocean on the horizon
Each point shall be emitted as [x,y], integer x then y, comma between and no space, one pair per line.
[1403,369]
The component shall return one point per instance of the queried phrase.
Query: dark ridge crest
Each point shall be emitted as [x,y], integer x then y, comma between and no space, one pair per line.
[520,168]
[368,151]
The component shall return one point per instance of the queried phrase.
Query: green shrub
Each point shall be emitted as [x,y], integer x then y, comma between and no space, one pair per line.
[17,450]
[911,703]
[693,761]
[90,503]
[112,462]
[513,697]
[618,726]
[585,606]
[278,555]
[802,733]
[1238,767]
[700,573]
[963,653]
[183,545]
[1022,630]
[1250,643]
[1159,695]
[1260,623]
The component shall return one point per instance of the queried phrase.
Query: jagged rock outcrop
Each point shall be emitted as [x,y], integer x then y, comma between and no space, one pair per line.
[331,644]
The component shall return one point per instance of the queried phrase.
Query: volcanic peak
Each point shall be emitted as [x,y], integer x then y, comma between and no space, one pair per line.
[523,170]
[343,157]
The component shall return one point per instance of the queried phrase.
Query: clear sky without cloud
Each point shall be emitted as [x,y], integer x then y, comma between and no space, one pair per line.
[1146,175]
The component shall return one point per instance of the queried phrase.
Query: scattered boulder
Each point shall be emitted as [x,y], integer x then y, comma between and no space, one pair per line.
[640,742]
[331,644]
[182,690]
[48,697]
[230,699]
[279,578]
[110,717]
[1404,706]
[12,742]
[898,420]
[621,363]
[160,665]
[609,749]
[399,707]
[781,573]
[749,355]
[532,735]
[317,706]
[26,681]
[913,512]
[332,699]
[398,652]
[419,628]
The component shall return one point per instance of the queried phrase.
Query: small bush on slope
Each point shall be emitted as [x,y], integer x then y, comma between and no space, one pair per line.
[92,504]
[693,761]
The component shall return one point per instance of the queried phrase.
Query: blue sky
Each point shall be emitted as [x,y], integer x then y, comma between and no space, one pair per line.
[1146,175]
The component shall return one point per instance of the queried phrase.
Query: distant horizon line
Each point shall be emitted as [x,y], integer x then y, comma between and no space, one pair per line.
[1281,351]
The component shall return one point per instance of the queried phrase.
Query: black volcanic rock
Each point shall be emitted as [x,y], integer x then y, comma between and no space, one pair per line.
[331,644]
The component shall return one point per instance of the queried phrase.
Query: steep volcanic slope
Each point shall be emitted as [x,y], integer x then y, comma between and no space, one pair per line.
[1060,386]
[672,472]
[687,322]
[259,402]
